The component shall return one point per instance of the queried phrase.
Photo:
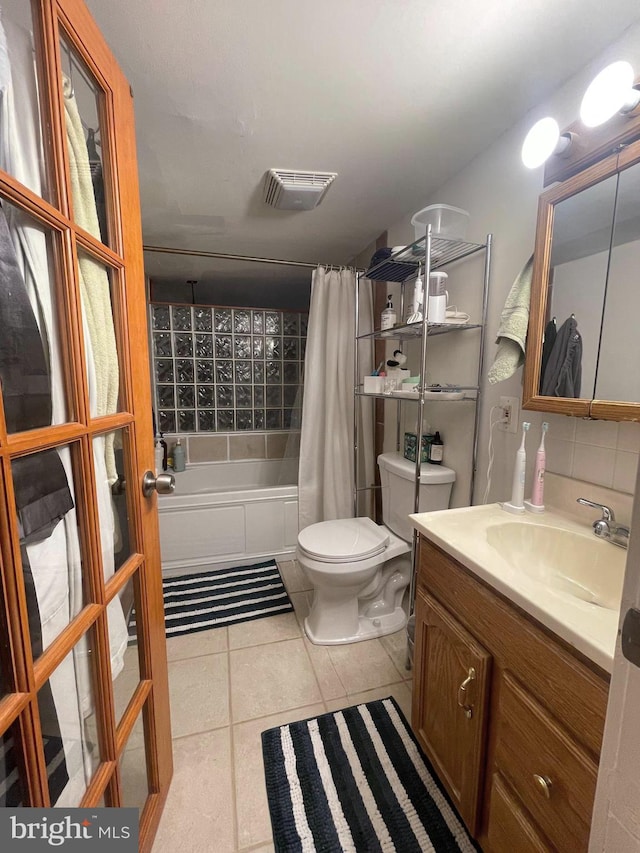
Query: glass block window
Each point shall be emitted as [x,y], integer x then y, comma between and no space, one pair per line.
[227,369]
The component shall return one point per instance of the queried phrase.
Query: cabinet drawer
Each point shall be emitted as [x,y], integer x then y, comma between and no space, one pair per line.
[509,829]
[553,777]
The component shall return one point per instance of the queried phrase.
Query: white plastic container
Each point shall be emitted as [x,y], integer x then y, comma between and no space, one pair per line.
[445,221]
[373,384]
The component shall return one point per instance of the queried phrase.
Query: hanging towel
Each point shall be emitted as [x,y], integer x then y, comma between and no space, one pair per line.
[563,373]
[94,281]
[512,333]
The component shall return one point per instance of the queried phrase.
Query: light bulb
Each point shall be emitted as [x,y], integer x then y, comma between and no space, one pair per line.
[609,92]
[540,142]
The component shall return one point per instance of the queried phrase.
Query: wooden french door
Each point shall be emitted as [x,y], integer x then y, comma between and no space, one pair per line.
[84,712]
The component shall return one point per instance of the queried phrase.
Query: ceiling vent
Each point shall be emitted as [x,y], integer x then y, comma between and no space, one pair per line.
[287,189]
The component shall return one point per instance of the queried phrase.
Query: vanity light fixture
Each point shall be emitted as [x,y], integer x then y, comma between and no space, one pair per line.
[610,92]
[543,140]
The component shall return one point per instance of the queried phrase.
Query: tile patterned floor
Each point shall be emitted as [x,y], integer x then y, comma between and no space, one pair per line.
[230,684]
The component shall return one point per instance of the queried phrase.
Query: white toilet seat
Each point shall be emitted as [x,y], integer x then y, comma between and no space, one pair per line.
[343,540]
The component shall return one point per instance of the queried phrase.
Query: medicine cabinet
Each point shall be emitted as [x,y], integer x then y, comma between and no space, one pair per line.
[587,254]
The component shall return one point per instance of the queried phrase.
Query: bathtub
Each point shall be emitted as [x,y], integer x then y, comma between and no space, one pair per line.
[225,514]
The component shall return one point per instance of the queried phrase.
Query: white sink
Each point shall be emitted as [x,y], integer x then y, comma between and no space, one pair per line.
[550,565]
[578,564]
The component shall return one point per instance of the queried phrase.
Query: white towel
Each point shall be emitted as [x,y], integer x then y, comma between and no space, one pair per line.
[94,280]
[512,333]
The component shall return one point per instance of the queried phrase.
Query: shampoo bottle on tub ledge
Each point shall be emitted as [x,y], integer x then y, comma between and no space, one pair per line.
[178,456]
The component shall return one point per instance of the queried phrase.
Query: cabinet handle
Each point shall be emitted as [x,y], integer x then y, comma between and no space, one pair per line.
[462,693]
[544,785]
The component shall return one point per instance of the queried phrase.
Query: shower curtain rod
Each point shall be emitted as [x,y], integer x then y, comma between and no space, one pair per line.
[224,256]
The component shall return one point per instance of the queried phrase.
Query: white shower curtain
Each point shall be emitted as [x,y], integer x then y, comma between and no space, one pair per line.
[325,489]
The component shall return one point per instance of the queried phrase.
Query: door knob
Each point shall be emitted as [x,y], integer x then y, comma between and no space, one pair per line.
[163,484]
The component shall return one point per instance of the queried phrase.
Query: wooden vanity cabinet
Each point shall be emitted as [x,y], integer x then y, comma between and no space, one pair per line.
[509,715]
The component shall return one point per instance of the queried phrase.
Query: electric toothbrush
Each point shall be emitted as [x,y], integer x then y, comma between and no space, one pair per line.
[536,504]
[516,504]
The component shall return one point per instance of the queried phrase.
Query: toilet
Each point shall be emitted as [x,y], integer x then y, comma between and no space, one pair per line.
[360,570]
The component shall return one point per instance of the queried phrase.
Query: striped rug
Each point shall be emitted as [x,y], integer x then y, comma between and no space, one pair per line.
[356,780]
[205,600]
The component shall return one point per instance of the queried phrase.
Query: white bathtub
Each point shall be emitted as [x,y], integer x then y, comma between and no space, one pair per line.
[225,514]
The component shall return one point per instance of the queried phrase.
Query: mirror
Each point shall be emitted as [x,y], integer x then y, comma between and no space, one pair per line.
[618,376]
[583,346]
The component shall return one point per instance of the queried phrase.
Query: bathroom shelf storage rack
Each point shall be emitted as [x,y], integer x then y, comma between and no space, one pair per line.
[426,255]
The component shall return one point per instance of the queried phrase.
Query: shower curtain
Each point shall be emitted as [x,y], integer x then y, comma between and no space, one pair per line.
[325,489]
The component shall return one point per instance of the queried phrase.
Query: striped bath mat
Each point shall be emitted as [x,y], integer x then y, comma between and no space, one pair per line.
[356,780]
[205,600]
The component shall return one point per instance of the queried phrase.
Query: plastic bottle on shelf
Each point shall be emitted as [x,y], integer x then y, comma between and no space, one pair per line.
[388,316]
[178,456]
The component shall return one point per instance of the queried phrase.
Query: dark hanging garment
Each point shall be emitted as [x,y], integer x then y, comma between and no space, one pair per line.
[26,389]
[550,335]
[563,374]
[40,485]
[40,482]
[97,179]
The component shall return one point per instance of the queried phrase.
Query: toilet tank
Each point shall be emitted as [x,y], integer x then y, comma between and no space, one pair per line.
[397,477]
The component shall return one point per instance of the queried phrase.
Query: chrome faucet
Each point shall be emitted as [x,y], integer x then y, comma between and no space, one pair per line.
[607,527]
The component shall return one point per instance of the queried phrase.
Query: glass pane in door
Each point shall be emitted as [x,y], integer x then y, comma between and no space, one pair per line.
[6,664]
[26,137]
[99,327]
[50,545]
[34,339]
[13,790]
[127,677]
[110,454]
[134,778]
[68,709]
[86,143]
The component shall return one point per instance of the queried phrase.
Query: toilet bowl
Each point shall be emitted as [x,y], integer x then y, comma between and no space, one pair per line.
[359,570]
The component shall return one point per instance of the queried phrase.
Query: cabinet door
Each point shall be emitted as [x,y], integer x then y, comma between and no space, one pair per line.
[449,703]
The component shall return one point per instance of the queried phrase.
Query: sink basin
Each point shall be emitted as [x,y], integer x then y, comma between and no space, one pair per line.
[580,565]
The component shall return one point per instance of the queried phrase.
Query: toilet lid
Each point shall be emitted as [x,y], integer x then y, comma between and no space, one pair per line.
[343,540]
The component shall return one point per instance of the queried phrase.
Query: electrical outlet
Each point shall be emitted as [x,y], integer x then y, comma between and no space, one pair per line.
[510,410]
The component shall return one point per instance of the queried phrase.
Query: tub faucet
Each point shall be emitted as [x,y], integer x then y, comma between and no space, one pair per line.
[607,526]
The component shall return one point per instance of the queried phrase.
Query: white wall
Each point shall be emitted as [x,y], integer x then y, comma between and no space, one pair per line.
[501,196]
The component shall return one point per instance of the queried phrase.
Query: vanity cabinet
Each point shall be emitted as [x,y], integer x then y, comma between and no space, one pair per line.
[516,742]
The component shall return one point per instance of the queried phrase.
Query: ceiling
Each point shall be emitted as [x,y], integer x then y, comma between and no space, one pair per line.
[394,95]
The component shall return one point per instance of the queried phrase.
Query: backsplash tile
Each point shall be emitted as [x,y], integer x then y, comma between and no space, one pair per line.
[604,453]
[232,447]
[559,456]
[226,369]
[599,433]
[625,471]
[629,436]
[593,464]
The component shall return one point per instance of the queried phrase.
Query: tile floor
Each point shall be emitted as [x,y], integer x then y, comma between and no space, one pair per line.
[230,684]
